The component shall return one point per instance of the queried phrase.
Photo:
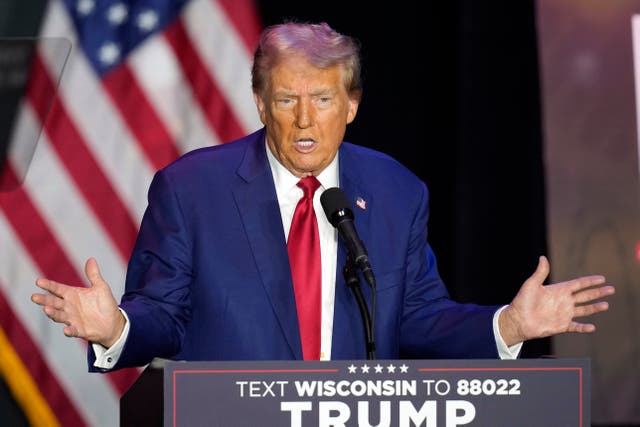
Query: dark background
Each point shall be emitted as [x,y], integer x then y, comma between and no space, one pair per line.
[451,89]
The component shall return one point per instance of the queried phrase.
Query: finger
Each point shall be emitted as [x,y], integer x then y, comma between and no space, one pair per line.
[592,294]
[585,282]
[588,310]
[92,271]
[70,331]
[581,327]
[51,286]
[38,299]
[588,281]
[51,301]
[47,300]
[57,316]
[541,272]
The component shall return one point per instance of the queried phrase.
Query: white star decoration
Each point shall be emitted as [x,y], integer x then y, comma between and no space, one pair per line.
[117,13]
[378,368]
[109,53]
[85,7]
[147,20]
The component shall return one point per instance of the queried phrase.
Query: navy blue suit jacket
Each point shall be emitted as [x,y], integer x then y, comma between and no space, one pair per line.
[209,277]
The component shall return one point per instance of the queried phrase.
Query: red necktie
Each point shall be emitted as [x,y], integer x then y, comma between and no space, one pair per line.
[304,256]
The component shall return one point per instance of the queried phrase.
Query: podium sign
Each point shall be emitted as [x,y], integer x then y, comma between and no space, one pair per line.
[477,392]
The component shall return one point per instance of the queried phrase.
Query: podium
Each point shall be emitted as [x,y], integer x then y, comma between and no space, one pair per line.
[474,392]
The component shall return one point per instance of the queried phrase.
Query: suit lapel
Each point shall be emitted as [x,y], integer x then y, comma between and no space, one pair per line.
[258,206]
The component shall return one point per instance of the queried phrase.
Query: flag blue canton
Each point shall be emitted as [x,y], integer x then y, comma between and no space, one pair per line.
[109,30]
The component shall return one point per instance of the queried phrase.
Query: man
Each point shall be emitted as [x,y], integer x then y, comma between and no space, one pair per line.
[211,277]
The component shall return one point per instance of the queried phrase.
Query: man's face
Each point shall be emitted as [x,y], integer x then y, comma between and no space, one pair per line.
[306,111]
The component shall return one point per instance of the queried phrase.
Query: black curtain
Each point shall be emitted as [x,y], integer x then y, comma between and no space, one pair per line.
[451,89]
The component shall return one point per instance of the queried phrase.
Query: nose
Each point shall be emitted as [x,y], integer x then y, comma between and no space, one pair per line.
[305,113]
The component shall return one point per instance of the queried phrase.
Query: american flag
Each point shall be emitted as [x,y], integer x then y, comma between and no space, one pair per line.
[146,80]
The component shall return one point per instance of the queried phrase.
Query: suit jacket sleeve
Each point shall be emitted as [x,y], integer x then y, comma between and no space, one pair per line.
[433,325]
[158,277]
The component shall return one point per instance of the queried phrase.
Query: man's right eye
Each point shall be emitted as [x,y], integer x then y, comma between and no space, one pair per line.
[284,102]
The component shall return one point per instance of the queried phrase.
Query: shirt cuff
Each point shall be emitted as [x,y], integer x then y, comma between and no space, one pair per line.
[505,352]
[106,358]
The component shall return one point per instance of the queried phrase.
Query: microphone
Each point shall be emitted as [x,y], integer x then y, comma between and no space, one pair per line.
[336,207]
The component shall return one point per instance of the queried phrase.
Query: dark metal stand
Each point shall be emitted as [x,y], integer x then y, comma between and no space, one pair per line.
[350,274]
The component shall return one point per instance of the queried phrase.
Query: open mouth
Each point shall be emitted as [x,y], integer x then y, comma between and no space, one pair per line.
[305,144]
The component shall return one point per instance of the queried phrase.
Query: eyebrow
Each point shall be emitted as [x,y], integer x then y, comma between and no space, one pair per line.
[316,92]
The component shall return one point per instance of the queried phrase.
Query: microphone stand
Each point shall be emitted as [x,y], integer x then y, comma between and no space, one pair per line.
[350,273]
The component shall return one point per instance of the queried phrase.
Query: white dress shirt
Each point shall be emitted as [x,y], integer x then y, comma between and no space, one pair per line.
[288,196]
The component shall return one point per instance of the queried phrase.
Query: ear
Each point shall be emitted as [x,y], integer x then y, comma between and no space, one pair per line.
[354,102]
[261,107]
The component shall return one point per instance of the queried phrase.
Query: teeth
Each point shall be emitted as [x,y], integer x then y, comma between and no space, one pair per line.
[306,142]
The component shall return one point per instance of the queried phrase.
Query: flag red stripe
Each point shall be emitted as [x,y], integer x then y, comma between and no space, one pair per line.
[140,116]
[36,236]
[122,379]
[245,19]
[153,137]
[88,176]
[8,180]
[40,242]
[211,99]
[86,172]
[32,359]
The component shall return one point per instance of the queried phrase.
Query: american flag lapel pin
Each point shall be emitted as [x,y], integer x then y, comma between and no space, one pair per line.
[361,203]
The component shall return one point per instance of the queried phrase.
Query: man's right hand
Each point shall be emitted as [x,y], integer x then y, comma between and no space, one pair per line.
[90,313]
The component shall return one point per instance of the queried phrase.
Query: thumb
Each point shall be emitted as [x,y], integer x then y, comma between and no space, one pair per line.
[92,271]
[542,271]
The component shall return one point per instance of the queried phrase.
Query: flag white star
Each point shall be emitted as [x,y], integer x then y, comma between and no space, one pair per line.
[147,20]
[378,368]
[109,53]
[404,368]
[391,368]
[365,369]
[352,369]
[117,13]
[85,7]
